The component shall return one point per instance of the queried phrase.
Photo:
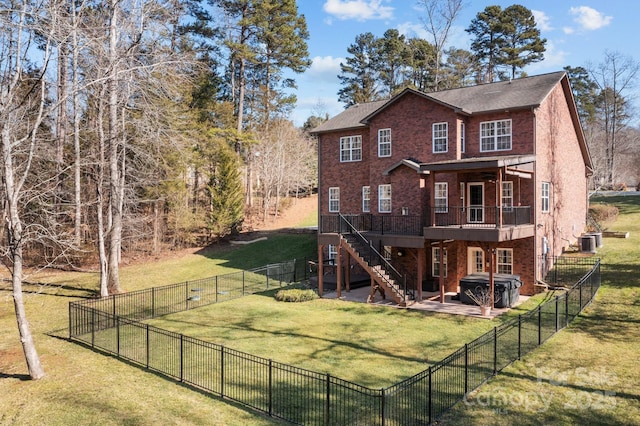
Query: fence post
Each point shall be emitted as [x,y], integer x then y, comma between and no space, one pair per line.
[557,319]
[495,350]
[147,348]
[93,327]
[327,401]
[222,371]
[566,308]
[430,396]
[539,325]
[113,300]
[466,368]
[118,336]
[519,335]
[270,388]
[186,295]
[181,357]
[153,302]
[382,406]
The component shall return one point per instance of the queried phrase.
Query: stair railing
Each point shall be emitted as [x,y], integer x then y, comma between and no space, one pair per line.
[375,258]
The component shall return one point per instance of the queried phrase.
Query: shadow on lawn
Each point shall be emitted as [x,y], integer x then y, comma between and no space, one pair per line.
[257,252]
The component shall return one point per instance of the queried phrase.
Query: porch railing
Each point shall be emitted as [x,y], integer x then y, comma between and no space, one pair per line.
[468,217]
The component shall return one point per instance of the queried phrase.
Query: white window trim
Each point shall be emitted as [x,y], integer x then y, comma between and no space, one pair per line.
[350,140]
[381,190]
[499,263]
[384,139]
[545,197]
[366,199]
[445,208]
[333,252]
[440,137]
[334,199]
[495,136]
[435,260]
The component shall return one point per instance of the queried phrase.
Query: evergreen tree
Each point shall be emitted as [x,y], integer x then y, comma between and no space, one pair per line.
[522,42]
[422,55]
[392,57]
[584,93]
[225,191]
[359,75]
[487,27]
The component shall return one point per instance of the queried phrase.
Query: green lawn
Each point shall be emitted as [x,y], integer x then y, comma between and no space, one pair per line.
[370,345]
[586,374]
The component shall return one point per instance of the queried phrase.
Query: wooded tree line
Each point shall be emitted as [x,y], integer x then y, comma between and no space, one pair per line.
[503,43]
[132,125]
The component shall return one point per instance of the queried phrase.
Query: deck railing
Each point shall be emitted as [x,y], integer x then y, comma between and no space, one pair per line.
[467,217]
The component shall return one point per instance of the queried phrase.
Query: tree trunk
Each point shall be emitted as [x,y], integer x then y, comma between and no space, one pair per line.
[15,243]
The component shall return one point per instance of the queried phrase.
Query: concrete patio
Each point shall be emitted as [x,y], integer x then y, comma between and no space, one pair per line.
[430,302]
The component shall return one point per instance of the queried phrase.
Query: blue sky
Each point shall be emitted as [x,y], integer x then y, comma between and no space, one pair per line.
[578,33]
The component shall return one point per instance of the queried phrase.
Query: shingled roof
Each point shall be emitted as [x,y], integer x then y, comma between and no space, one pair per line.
[528,92]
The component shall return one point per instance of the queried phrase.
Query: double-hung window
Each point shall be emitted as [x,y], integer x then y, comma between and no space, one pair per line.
[384,143]
[334,199]
[495,135]
[366,199]
[384,199]
[441,197]
[504,261]
[440,136]
[546,197]
[350,148]
[462,138]
[435,262]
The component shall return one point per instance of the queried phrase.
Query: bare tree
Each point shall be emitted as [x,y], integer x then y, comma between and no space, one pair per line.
[615,77]
[23,111]
[440,16]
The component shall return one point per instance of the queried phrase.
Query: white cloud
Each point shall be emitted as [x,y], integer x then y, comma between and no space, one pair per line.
[410,29]
[324,68]
[360,10]
[542,20]
[589,18]
[568,30]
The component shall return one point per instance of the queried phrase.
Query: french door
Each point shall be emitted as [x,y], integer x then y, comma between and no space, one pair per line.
[475,197]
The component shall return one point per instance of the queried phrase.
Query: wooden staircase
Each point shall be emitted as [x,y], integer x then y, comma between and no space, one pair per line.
[380,270]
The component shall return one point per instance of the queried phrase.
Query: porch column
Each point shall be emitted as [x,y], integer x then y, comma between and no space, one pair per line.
[499,196]
[339,269]
[422,261]
[432,200]
[347,271]
[320,270]
[441,271]
[492,262]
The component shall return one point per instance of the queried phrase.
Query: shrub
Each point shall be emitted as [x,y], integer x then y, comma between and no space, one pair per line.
[295,295]
[600,215]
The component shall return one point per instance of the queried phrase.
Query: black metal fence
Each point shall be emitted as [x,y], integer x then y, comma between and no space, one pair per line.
[301,396]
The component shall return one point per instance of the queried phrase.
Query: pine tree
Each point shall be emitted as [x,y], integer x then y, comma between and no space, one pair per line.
[523,44]
[226,194]
[489,40]
[359,75]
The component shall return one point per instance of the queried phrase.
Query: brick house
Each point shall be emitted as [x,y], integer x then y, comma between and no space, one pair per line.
[435,186]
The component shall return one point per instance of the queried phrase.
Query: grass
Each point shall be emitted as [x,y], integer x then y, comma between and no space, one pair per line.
[353,341]
[86,387]
[587,374]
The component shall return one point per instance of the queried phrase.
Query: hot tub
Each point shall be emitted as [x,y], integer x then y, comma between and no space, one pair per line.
[506,288]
